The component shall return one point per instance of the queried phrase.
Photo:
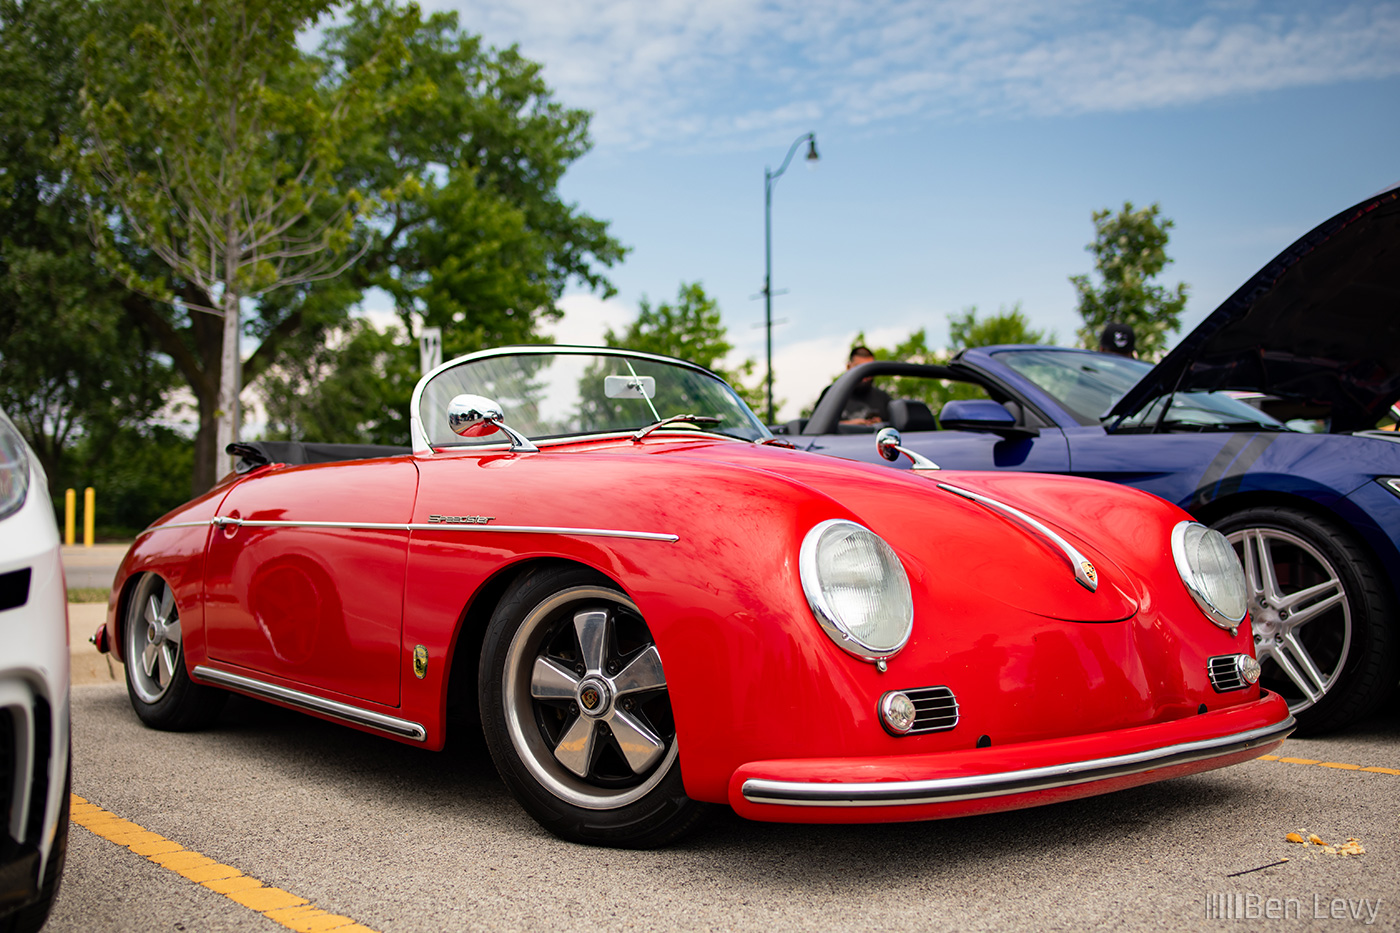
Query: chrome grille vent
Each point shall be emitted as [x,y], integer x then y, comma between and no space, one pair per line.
[936,709]
[1225,673]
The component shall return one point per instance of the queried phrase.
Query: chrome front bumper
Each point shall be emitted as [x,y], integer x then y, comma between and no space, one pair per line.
[980,786]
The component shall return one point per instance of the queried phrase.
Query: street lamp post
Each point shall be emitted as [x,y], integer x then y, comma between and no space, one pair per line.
[769,180]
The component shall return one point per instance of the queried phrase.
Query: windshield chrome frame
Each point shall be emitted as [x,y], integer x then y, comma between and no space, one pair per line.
[419,433]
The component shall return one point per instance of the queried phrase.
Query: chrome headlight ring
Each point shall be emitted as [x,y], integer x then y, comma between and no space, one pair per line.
[857,589]
[1212,573]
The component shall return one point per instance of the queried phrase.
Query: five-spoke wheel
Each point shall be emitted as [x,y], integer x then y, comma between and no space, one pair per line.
[577,712]
[153,640]
[156,680]
[1317,608]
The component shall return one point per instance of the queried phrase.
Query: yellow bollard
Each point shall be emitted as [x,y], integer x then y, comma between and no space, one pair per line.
[89,515]
[70,506]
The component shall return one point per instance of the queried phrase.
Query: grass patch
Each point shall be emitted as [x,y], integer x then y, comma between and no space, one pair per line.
[88,594]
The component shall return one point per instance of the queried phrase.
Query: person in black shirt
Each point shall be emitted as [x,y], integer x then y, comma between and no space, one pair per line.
[866,404]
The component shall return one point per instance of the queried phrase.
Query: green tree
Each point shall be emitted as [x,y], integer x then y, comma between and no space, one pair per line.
[351,384]
[221,143]
[690,329]
[1130,249]
[401,141]
[76,372]
[965,330]
[1006,326]
[480,243]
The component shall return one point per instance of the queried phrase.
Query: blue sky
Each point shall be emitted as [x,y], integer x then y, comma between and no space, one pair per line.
[964,147]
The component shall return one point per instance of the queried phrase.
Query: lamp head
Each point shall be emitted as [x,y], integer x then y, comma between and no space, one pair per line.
[812,157]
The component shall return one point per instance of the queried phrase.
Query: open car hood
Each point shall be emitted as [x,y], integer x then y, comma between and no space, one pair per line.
[1318,327]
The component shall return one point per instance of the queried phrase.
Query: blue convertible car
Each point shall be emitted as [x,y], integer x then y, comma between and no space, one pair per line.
[1272,421]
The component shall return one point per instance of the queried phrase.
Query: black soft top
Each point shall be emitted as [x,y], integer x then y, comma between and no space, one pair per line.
[253,454]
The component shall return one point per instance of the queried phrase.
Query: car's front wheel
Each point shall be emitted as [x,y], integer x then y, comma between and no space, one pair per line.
[1321,615]
[160,688]
[577,712]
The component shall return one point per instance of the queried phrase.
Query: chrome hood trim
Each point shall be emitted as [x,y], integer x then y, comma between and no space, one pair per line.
[1084,572]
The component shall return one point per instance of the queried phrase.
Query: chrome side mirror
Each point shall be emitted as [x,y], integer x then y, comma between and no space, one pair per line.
[888,441]
[478,416]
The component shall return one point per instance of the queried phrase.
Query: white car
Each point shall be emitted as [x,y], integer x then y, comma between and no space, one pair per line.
[34,683]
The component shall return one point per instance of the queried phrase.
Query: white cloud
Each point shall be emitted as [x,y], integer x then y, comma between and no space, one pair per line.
[586,318]
[727,72]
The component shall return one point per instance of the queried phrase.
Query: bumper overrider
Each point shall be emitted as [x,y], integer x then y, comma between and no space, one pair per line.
[985,780]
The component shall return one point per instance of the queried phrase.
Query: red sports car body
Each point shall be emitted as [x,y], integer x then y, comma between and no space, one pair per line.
[651,610]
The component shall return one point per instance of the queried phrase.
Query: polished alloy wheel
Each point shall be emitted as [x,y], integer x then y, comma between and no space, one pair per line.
[153,640]
[1301,614]
[585,699]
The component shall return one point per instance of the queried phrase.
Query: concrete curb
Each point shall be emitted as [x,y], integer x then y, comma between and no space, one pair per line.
[87,666]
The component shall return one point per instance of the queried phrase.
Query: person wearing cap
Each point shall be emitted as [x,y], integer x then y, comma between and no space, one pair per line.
[1119,339]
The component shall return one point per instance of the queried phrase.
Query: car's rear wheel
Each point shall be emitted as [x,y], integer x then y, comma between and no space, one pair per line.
[1320,613]
[160,688]
[577,713]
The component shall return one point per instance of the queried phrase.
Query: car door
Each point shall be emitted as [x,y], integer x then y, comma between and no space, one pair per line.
[304,579]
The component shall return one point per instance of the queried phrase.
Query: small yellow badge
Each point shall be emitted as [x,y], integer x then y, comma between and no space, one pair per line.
[420,662]
[1089,572]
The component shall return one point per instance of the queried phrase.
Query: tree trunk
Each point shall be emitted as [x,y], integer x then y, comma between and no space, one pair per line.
[230,369]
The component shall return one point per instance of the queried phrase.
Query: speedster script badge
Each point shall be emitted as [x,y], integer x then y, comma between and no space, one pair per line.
[461,519]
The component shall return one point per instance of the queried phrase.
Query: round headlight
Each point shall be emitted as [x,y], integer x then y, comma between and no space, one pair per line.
[857,589]
[1212,572]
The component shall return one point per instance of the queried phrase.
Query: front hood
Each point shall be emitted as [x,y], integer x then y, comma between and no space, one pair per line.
[1319,326]
[955,545]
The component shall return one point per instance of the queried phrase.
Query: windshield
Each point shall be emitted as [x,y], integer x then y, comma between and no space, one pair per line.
[558,392]
[1087,384]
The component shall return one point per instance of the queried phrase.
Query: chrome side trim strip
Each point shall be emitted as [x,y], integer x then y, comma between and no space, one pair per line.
[978,786]
[222,522]
[390,725]
[1083,569]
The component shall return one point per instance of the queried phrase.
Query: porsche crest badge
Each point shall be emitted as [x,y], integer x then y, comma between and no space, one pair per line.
[1090,572]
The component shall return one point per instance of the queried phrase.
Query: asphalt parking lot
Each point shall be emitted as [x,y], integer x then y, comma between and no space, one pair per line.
[309,826]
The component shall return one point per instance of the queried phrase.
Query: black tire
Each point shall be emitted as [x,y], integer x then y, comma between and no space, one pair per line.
[568,656]
[1332,653]
[160,688]
[31,917]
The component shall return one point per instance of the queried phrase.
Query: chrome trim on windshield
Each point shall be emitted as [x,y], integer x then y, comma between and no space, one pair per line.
[390,725]
[419,435]
[1084,571]
[979,786]
[223,521]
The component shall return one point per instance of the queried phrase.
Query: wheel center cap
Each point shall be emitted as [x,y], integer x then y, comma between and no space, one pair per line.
[594,697]
[1267,621]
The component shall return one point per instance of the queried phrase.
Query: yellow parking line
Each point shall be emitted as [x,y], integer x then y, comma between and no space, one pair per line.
[283,907]
[1340,766]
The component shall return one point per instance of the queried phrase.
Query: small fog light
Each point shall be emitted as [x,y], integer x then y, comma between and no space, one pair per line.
[897,712]
[1248,668]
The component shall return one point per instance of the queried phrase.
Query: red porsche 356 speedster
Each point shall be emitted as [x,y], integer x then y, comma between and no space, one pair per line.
[653,607]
